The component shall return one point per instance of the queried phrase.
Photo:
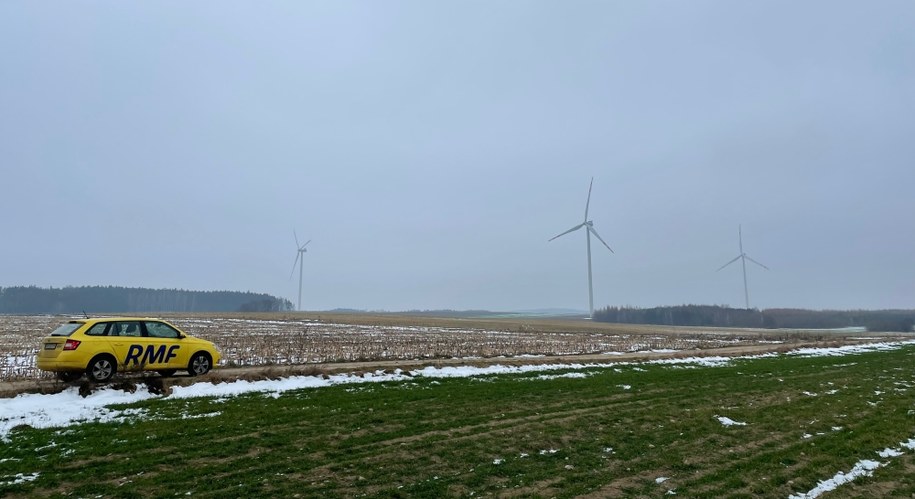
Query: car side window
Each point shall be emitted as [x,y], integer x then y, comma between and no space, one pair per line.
[160,330]
[97,330]
[125,329]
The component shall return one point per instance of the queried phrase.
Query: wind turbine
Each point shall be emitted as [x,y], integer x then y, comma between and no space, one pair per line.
[589,226]
[743,260]
[299,259]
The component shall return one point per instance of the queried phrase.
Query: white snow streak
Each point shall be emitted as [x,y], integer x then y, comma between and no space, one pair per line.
[20,478]
[862,468]
[865,467]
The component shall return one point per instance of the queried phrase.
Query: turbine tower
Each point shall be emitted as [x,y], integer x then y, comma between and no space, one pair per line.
[299,259]
[743,260]
[589,226]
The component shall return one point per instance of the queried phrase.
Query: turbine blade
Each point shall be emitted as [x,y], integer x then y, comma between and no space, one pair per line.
[302,247]
[573,229]
[732,261]
[297,255]
[600,238]
[296,238]
[588,204]
[757,263]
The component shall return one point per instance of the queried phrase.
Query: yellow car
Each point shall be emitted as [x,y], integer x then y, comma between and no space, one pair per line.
[101,347]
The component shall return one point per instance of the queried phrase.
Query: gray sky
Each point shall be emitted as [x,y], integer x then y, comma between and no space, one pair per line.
[430,149]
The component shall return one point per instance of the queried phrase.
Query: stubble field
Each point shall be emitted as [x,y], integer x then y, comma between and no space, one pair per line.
[326,339]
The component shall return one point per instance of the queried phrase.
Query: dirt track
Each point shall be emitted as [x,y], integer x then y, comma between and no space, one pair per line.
[219,375]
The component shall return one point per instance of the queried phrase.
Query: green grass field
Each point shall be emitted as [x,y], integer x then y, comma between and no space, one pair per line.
[615,432]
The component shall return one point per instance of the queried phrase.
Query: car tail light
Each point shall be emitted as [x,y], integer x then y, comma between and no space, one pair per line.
[71,345]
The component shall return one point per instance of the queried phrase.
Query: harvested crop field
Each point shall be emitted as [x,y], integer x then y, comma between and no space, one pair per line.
[301,339]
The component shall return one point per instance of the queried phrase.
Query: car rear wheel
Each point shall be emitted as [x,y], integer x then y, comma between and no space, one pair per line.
[200,364]
[167,372]
[101,368]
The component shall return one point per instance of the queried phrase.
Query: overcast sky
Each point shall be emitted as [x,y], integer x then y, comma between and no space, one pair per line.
[430,149]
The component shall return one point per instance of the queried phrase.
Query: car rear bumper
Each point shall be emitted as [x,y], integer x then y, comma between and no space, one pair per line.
[59,365]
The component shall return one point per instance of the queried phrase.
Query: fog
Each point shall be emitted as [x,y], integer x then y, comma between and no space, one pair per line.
[429,150]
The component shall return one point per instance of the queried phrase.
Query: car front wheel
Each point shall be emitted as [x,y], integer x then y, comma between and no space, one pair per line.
[101,369]
[200,364]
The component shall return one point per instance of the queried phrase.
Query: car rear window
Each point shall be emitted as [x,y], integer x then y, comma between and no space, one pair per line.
[160,330]
[66,329]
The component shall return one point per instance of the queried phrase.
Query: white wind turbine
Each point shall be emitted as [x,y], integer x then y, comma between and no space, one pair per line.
[589,225]
[743,260]
[299,259]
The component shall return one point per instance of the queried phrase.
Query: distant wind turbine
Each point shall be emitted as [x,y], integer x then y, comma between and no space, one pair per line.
[589,225]
[299,259]
[743,260]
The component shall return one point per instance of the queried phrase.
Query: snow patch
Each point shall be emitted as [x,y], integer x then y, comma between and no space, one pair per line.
[21,478]
[726,421]
[865,467]
[65,408]
[889,453]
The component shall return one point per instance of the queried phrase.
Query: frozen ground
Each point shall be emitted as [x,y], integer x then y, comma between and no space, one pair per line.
[68,407]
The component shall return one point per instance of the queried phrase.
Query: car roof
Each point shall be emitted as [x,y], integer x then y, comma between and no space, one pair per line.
[95,320]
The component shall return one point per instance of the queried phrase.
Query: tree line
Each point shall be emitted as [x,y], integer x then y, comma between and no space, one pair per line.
[720,316]
[115,299]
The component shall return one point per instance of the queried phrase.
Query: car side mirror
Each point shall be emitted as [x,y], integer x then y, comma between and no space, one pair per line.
[181,336]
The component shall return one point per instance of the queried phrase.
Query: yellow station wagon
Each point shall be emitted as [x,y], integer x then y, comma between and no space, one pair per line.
[101,347]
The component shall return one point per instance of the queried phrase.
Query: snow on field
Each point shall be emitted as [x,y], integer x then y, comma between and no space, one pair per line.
[566,375]
[19,478]
[68,407]
[710,361]
[849,349]
[865,467]
[65,408]
[726,421]
[889,453]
